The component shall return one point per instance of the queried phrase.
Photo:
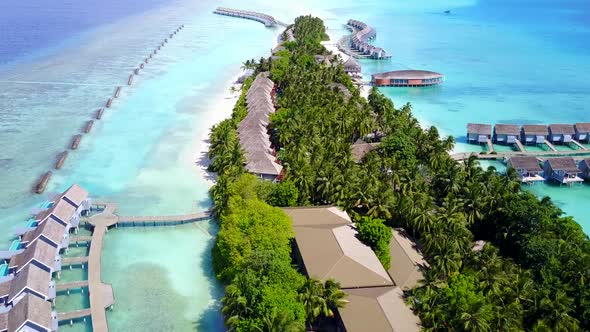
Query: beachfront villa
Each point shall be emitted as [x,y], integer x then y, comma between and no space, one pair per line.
[478,133]
[361,148]
[352,67]
[534,134]
[561,133]
[252,131]
[407,78]
[563,170]
[528,168]
[584,166]
[327,246]
[506,134]
[29,314]
[582,131]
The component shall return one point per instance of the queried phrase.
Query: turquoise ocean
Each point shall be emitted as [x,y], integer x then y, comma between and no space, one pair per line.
[504,62]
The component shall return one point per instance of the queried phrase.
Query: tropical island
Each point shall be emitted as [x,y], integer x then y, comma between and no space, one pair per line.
[497,258]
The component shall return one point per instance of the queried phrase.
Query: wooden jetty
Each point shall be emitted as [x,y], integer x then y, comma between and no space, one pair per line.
[76,141]
[71,285]
[61,159]
[73,315]
[43,181]
[265,19]
[88,126]
[99,113]
[69,261]
[503,155]
[358,45]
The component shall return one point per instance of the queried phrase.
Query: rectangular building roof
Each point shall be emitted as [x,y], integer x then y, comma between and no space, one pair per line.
[75,195]
[582,127]
[528,163]
[406,260]
[361,149]
[39,251]
[30,308]
[31,277]
[51,229]
[378,309]
[506,129]
[540,130]
[5,288]
[566,164]
[329,247]
[63,210]
[478,128]
[562,129]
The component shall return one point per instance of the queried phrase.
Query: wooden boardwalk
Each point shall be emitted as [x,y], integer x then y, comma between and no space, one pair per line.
[71,285]
[77,239]
[165,219]
[504,155]
[265,19]
[67,261]
[71,315]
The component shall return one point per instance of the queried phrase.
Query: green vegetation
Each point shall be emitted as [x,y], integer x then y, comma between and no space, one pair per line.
[531,274]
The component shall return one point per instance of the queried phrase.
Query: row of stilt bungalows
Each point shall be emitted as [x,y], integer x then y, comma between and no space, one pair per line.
[564,170]
[528,134]
[361,36]
[27,290]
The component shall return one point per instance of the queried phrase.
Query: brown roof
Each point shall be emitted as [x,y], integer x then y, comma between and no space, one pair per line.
[527,163]
[351,65]
[4,322]
[329,247]
[378,309]
[39,251]
[63,211]
[30,308]
[406,261]
[408,74]
[31,277]
[361,149]
[566,164]
[478,128]
[506,129]
[535,130]
[562,129]
[50,229]
[75,194]
[583,127]
[5,288]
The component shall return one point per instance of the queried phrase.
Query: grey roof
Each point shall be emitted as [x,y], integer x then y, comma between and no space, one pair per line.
[4,321]
[378,309]
[535,130]
[527,163]
[39,251]
[31,277]
[567,164]
[506,129]
[30,308]
[361,149]
[351,65]
[583,127]
[5,288]
[329,248]
[406,260]
[562,129]
[479,129]
[586,161]
[51,229]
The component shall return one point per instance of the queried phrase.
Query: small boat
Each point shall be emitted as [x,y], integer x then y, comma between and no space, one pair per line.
[447,11]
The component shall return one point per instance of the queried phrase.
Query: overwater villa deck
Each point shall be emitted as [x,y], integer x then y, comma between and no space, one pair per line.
[528,168]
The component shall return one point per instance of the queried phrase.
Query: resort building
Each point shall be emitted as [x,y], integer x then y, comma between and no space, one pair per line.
[584,166]
[528,168]
[362,34]
[327,246]
[360,149]
[352,67]
[339,87]
[252,131]
[407,78]
[30,314]
[563,170]
[31,280]
[561,133]
[51,232]
[478,133]
[582,131]
[407,261]
[534,134]
[506,134]
[40,254]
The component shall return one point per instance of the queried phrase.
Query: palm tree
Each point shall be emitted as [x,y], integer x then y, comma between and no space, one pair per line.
[334,296]
[276,321]
[478,318]
[311,295]
[235,305]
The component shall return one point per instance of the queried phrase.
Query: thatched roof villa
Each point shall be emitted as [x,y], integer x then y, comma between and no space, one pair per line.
[361,148]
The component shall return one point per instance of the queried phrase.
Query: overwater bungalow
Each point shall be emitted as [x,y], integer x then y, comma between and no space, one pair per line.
[30,314]
[31,280]
[52,232]
[563,170]
[407,78]
[534,134]
[362,34]
[360,149]
[40,254]
[506,133]
[528,168]
[407,261]
[478,133]
[582,131]
[584,166]
[561,133]
[62,212]
[352,67]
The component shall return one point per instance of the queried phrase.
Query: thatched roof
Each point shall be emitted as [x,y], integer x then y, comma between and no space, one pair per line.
[352,66]
[342,88]
[32,309]
[562,129]
[39,251]
[506,129]
[479,129]
[360,149]
[406,260]
[378,309]
[33,278]
[329,248]
[583,127]
[539,130]
[527,163]
[264,166]
[566,164]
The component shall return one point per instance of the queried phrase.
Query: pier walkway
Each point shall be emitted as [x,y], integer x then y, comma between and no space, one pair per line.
[265,19]
[71,315]
[578,144]
[490,146]
[551,146]
[71,285]
[502,155]
[519,145]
